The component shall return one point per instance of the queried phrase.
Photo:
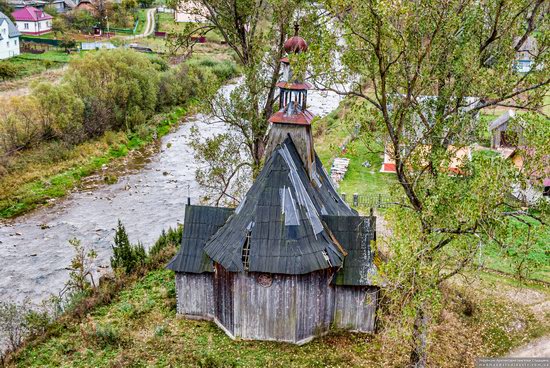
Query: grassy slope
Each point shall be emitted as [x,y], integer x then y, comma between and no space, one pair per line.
[358,179]
[30,64]
[140,328]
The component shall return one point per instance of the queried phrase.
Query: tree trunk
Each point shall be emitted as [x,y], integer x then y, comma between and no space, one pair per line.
[419,352]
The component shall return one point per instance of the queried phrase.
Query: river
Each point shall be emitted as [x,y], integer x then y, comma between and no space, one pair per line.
[34,248]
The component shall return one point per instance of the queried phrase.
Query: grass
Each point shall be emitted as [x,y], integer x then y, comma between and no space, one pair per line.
[140,328]
[142,21]
[30,64]
[51,171]
[167,24]
[330,137]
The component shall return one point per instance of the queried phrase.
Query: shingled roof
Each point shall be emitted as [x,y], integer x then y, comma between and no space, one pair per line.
[201,222]
[280,217]
[354,233]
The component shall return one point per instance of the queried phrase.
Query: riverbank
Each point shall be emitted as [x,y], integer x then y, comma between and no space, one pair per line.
[46,154]
[44,180]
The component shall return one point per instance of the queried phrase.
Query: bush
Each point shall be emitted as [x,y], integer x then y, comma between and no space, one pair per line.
[170,238]
[8,70]
[126,257]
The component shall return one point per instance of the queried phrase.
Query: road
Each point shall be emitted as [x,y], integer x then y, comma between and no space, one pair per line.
[149,26]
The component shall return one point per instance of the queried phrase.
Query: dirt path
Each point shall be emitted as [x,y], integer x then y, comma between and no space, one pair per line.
[149,26]
[539,348]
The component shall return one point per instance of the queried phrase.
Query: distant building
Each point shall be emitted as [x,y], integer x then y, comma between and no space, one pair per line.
[9,37]
[293,259]
[32,21]
[526,54]
[61,6]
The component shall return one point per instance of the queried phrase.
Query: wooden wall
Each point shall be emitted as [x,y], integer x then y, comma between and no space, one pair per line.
[194,293]
[223,298]
[292,308]
[355,308]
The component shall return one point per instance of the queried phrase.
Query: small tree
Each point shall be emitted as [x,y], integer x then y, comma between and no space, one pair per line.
[81,278]
[126,257]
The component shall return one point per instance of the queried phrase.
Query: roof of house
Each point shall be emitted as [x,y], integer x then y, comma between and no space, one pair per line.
[201,222]
[280,217]
[30,14]
[12,29]
[501,120]
[354,233]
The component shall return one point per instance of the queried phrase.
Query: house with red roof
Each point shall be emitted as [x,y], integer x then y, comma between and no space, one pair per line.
[32,21]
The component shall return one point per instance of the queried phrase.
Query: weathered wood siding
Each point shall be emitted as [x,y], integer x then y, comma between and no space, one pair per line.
[315,304]
[223,298]
[195,294]
[355,308]
[293,308]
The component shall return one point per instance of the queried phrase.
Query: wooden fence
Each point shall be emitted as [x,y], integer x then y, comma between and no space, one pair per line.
[367,200]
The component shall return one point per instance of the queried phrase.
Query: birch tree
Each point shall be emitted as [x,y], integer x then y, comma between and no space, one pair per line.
[421,72]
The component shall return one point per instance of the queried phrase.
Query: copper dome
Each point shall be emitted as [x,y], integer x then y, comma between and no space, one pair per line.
[295,44]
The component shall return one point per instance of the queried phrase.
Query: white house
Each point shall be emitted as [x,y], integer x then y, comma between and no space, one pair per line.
[32,21]
[9,38]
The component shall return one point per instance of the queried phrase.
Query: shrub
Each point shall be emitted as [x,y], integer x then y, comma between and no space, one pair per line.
[172,237]
[81,278]
[8,70]
[126,257]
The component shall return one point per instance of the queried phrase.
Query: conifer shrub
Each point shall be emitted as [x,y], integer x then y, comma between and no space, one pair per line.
[126,257]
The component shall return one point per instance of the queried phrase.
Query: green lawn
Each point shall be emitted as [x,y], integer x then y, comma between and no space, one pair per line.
[167,24]
[365,181]
[30,64]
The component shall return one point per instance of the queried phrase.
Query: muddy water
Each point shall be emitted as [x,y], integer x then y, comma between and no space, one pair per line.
[34,249]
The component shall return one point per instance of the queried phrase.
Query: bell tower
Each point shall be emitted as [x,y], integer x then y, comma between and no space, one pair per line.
[293,119]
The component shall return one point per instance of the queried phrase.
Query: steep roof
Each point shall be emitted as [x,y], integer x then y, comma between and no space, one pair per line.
[12,29]
[200,223]
[280,218]
[30,14]
[355,234]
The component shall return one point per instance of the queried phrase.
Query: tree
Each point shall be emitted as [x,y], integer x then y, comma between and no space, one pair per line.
[59,26]
[126,257]
[81,277]
[60,112]
[6,8]
[412,66]
[255,31]
[118,88]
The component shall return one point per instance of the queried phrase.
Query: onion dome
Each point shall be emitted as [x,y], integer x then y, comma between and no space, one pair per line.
[295,44]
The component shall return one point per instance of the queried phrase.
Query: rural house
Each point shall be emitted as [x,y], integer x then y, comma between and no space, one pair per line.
[9,38]
[293,259]
[32,21]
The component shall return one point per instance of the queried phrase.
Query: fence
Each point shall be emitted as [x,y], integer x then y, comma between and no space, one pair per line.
[367,200]
[44,41]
